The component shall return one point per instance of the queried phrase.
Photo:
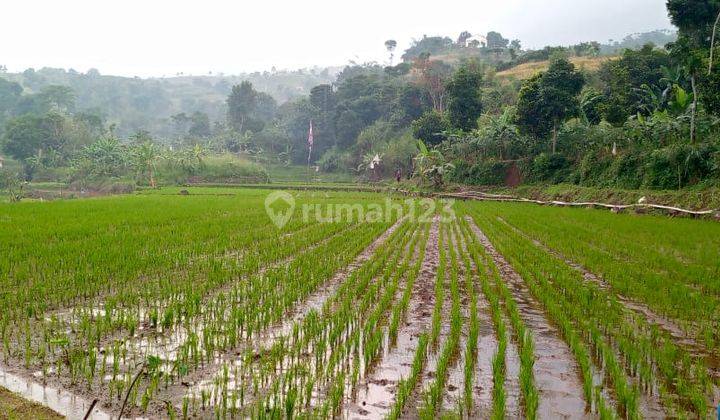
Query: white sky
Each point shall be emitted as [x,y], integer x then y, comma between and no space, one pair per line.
[164,37]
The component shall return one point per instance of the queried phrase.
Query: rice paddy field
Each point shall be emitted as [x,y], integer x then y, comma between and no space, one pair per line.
[168,305]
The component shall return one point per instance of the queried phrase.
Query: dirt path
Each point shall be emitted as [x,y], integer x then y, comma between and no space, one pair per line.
[556,372]
[376,393]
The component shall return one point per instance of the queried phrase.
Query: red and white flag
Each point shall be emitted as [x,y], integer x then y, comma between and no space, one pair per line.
[310,136]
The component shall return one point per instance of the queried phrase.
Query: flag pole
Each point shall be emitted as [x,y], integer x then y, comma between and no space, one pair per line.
[311,140]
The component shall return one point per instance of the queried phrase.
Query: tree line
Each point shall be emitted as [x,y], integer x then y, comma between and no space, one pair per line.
[648,118]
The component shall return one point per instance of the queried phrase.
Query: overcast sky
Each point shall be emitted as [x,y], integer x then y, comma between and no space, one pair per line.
[164,37]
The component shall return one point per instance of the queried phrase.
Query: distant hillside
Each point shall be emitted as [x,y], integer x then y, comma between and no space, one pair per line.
[527,70]
[147,104]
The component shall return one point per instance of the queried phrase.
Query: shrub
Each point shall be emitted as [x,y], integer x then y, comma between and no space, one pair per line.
[488,172]
[430,128]
[221,169]
[550,167]
[335,160]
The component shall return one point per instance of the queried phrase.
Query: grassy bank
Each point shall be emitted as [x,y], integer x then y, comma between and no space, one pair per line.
[690,198]
[12,406]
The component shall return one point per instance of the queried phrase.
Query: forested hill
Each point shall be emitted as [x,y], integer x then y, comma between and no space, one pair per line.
[134,104]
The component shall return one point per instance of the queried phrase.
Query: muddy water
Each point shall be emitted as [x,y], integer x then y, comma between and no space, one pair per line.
[678,333]
[650,405]
[204,379]
[375,394]
[487,347]
[513,405]
[409,255]
[557,375]
[58,399]
[317,299]
[455,384]
[427,376]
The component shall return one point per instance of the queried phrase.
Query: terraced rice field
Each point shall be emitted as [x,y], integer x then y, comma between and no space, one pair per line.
[169,306]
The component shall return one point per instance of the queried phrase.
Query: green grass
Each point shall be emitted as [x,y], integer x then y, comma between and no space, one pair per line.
[13,406]
[203,277]
[299,174]
[694,198]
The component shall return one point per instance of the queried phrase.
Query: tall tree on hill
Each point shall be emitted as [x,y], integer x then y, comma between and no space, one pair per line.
[10,94]
[549,99]
[241,103]
[622,78]
[200,125]
[324,102]
[390,45]
[697,21]
[464,103]
[495,41]
[463,37]
[433,75]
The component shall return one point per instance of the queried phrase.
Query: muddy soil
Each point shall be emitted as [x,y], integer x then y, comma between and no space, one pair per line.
[557,375]
[678,334]
[203,379]
[376,393]
[427,376]
[487,347]
[453,395]
[58,399]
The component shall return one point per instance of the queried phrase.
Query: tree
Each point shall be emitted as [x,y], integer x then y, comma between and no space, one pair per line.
[623,77]
[265,108]
[412,101]
[549,99]
[181,122]
[464,103]
[58,98]
[31,135]
[495,41]
[141,137]
[427,45]
[433,75]
[144,159]
[200,125]
[241,103]
[390,45]
[695,18]
[12,184]
[10,93]
[324,102]
[348,126]
[697,21]
[430,128]
[463,37]
[105,157]
[430,164]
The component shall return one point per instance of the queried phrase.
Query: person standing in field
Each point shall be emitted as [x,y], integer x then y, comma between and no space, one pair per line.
[398,174]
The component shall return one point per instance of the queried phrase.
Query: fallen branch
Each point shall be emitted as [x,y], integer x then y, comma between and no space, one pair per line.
[481,196]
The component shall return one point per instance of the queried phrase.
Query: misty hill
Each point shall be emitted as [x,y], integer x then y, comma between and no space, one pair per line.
[134,104]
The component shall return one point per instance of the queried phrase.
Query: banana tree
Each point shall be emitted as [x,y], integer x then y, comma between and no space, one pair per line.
[430,165]
[145,158]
